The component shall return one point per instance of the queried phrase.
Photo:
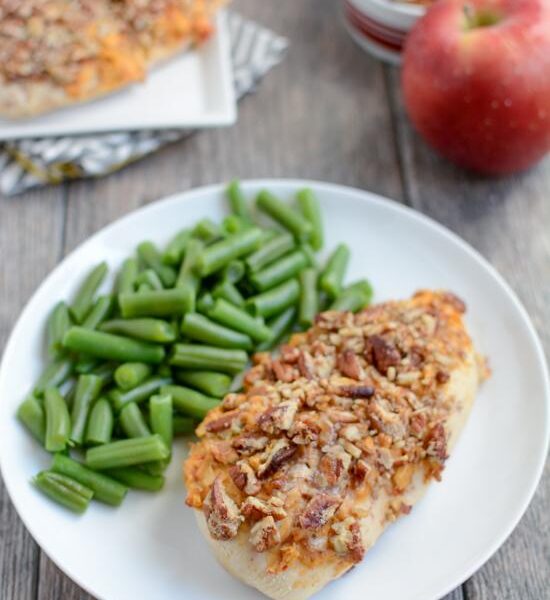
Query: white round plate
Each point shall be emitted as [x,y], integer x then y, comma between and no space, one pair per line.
[150,547]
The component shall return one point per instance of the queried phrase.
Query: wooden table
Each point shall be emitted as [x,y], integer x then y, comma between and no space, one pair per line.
[330,113]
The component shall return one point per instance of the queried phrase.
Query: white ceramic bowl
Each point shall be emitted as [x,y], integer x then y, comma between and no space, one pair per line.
[381,26]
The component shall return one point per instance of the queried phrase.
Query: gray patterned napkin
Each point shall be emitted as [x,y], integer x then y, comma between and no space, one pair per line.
[40,161]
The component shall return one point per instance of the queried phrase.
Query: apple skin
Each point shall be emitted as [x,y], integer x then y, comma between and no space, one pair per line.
[481,96]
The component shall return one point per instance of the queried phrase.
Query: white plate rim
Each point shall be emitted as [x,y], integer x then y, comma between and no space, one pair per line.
[364,196]
[224,115]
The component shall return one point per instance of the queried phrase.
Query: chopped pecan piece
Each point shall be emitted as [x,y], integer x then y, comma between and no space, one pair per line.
[305,429]
[244,478]
[279,417]
[455,302]
[289,354]
[385,420]
[442,377]
[306,366]
[417,424]
[333,467]
[223,422]
[264,534]
[276,456]
[248,444]
[347,539]
[222,514]
[381,353]
[318,512]
[348,364]
[256,509]
[283,371]
[435,442]
[356,391]
[223,452]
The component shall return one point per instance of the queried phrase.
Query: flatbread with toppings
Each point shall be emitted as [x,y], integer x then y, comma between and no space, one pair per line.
[294,479]
[54,53]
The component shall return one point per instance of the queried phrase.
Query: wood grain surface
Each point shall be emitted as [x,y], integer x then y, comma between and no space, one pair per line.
[328,112]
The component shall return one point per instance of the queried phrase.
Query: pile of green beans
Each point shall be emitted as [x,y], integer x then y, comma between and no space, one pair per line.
[132,368]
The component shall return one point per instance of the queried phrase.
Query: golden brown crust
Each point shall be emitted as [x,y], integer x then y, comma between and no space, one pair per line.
[58,52]
[352,414]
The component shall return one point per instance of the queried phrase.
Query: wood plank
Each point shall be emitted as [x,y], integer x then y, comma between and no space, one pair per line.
[506,220]
[31,228]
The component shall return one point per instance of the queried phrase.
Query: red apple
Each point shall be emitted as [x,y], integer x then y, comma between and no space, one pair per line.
[476,81]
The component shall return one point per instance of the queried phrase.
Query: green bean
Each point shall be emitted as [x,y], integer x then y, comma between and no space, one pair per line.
[280,326]
[138,394]
[112,347]
[309,299]
[270,251]
[84,299]
[137,479]
[275,300]
[183,425]
[100,311]
[233,224]
[330,280]
[150,330]
[362,286]
[208,382]
[31,414]
[199,328]
[350,300]
[100,423]
[227,290]
[86,364]
[142,287]
[310,254]
[208,358]
[64,490]
[164,370]
[234,271]
[150,278]
[207,230]
[311,210]
[129,375]
[87,390]
[187,280]
[160,416]
[238,319]
[205,302]
[58,421]
[154,303]
[105,372]
[237,200]
[149,254]
[127,276]
[59,322]
[173,252]
[56,373]
[69,393]
[104,488]
[132,421]
[190,402]
[285,215]
[125,453]
[216,256]
[281,270]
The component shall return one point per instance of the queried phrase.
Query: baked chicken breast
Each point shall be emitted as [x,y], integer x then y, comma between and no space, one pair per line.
[294,479]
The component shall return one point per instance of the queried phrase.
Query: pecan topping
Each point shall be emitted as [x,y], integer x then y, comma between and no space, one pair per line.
[442,377]
[356,391]
[244,478]
[455,302]
[256,509]
[381,353]
[276,456]
[333,467]
[306,365]
[223,422]
[264,534]
[279,417]
[283,371]
[222,515]
[385,420]
[347,539]
[248,444]
[436,442]
[318,512]
[348,364]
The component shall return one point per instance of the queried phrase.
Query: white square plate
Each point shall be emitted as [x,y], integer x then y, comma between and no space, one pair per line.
[194,89]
